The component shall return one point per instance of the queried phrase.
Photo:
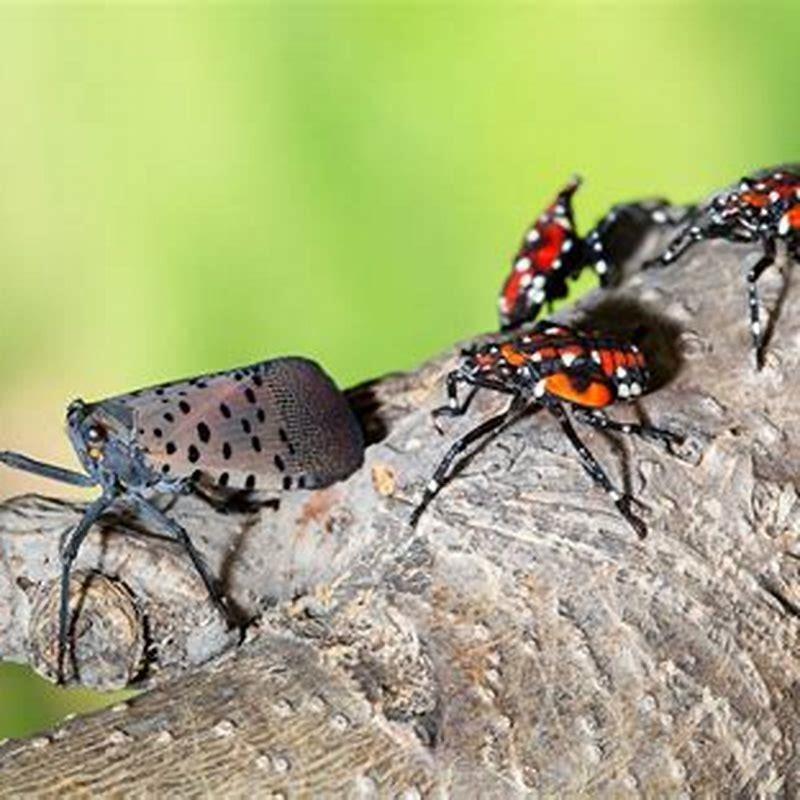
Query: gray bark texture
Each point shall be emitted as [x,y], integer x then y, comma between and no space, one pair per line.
[520,642]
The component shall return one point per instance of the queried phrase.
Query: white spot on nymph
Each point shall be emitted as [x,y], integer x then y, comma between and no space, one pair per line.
[597,246]
[552,330]
[626,428]
[539,281]
[533,235]
[537,297]
[774,197]
[783,225]
[522,264]
[432,486]
[636,389]
[621,372]
[557,263]
[502,303]
[595,356]
[567,246]
[453,402]
[601,267]
[659,217]
[623,390]
[536,357]
[615,496]
[525,280]
[756,328]
[539,389]
[567,358]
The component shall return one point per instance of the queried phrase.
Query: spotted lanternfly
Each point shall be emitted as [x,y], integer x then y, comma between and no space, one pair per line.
[761,209]
[552,251]
[273,426]
[553,367]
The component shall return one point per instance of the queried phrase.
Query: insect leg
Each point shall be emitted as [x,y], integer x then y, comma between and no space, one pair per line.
[686,239]
[453,409]
[68,555]
[439,476]
[597,419]
[753,274]
[158,517]
[595,471]
[597,257]
[22,462]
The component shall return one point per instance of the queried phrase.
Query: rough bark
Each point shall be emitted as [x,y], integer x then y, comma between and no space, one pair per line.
[520,641]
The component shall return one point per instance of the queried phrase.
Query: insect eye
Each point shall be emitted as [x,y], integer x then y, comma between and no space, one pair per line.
[95,435]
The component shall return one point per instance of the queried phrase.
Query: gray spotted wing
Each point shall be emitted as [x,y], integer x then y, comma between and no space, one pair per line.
[280,424]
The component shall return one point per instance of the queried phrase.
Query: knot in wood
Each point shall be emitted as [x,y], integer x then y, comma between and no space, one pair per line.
[106,638]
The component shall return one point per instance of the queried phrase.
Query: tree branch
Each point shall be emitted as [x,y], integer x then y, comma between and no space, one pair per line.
[520,640]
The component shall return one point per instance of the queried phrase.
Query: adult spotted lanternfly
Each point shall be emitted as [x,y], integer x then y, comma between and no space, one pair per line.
[552,252]
[273,426]
[761,210]
[553,367]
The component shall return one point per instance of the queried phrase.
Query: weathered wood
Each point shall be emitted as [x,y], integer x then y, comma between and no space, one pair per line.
[521,641]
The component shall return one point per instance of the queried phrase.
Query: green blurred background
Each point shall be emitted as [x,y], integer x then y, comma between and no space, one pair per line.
[185,189]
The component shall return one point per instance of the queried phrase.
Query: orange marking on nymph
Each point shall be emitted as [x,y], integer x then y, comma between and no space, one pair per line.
[512,355]
[547,353]
[756,199]
[793,217]
[607,362]
[595,395]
